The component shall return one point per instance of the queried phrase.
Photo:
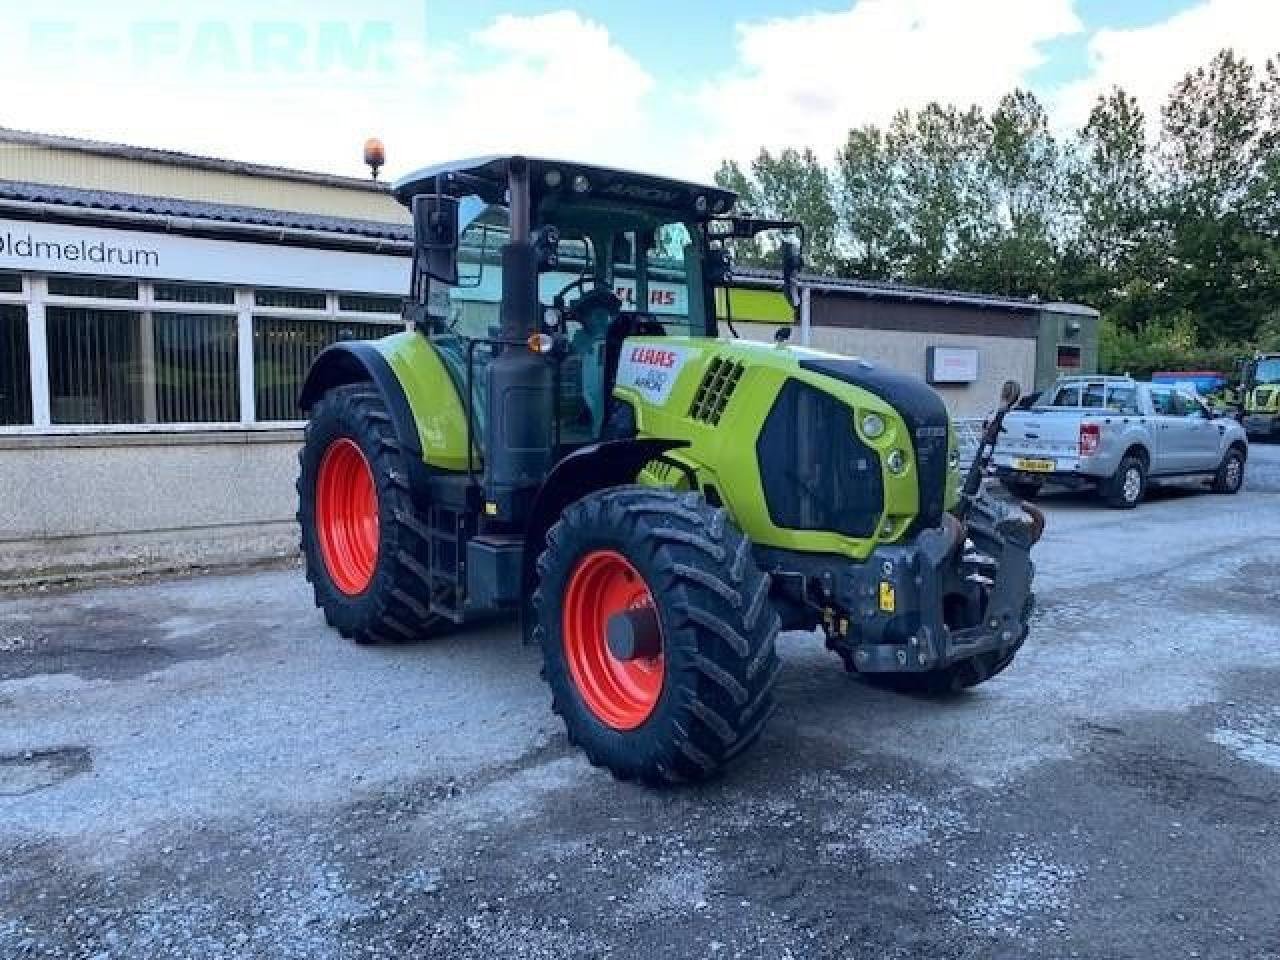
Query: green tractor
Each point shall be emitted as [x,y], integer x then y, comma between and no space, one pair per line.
[1260,396]
[563,434]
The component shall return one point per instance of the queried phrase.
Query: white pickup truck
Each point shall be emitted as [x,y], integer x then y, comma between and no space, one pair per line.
[1116,434]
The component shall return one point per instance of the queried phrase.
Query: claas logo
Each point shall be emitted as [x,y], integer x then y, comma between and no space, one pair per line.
[653,356]
[657,298]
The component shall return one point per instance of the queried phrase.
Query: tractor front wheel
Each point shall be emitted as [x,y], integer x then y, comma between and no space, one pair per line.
[362,540]
[657,634]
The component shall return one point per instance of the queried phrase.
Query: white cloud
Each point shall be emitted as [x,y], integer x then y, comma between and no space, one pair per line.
[554,83]
[1149,61]
[808,79]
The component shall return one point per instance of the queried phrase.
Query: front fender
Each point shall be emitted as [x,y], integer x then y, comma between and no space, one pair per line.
[595,467]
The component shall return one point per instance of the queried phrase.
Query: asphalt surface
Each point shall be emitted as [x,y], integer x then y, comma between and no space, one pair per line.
[198,768]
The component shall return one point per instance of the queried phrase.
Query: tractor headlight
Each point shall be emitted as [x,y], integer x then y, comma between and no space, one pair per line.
[700,204]
[581,184]
[872,425]
[896,461]
[953,459]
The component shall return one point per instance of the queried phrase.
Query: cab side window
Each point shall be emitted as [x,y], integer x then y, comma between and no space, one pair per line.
[1068,396]
[1162,403]
[1185,405]
[1122,400]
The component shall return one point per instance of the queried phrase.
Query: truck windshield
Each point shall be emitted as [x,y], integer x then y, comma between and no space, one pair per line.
[1269,370]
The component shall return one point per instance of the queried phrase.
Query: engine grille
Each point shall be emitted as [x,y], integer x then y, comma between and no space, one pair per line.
[924,413]
[817,473]
[717,386]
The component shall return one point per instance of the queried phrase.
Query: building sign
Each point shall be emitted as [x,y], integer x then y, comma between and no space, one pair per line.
[952,365]
[37,247]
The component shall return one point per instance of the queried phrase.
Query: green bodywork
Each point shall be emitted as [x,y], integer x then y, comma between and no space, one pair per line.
[721,456]
[433,397]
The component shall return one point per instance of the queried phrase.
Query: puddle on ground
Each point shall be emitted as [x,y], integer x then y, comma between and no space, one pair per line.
[32,770]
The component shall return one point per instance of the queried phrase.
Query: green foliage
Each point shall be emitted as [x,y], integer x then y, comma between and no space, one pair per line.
[1170,345]
[1178,235]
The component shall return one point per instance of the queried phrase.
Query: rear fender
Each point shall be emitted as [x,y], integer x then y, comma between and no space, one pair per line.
[358,361]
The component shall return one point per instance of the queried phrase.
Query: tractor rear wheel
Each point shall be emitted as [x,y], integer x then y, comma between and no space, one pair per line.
[657,634]
[362,541]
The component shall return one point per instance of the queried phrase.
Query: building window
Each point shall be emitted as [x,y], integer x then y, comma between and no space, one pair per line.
[125,367]
[193,293]
[283,350]
[1068,356]
[290,299]
[10,282]
[95,365]
[196,377]
[367,303]
[15,367]
[102,289]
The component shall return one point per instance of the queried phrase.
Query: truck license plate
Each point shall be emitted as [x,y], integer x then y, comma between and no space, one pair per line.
[1035,466]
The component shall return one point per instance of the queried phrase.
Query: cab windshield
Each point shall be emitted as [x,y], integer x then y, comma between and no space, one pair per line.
[616,276]
[1269,371]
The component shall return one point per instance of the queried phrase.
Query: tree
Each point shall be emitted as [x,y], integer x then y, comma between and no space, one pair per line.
[1111,255]
[940,152]
[731,177]
[1016,252]
[1215,144]
[870,204]
[792,184]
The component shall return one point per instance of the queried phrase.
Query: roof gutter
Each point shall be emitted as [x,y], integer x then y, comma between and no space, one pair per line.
[217,229]
[918,296]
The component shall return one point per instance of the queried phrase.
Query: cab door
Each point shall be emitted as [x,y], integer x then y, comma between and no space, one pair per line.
[1201,434]
[1168,431]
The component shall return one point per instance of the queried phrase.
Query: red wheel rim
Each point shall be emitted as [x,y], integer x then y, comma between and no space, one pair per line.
[347,516]
[621,693]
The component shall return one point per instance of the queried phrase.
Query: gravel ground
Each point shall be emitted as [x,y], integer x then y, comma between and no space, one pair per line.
[198,768]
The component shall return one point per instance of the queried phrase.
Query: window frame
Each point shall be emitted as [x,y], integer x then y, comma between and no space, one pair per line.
[35,297]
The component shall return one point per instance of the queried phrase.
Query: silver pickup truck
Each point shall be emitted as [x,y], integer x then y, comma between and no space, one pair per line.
[1116,434]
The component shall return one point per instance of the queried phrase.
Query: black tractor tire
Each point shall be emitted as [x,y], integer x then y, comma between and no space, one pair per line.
[716,632]
[384,599]
[1126,488]
[962,675]
[1230,475]
[1022,489]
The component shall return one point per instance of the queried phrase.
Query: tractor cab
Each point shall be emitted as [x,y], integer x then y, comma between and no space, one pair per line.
[615,254]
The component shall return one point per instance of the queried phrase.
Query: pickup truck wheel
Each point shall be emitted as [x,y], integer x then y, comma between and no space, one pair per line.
[1125,489]
[1230,475]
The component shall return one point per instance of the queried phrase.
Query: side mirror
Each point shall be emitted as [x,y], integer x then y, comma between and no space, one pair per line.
[1010,393]
[435,236]
[791,264]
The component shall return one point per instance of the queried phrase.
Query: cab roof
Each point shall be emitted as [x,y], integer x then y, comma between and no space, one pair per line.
[564,181]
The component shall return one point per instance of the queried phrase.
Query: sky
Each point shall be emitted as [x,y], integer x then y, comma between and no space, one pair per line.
[667,86]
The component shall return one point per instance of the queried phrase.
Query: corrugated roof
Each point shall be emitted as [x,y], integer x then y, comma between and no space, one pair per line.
[177,158]
[879,289]
[198,210]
